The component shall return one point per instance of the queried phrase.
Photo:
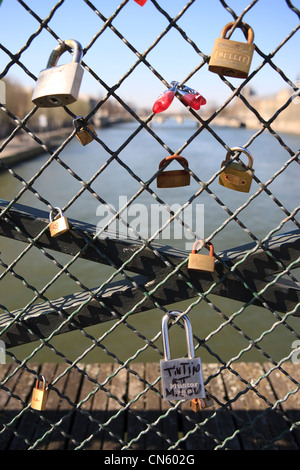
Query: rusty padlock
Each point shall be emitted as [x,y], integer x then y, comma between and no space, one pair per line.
[39,396]
[59,85]
[202,262]
[232,58]
[59,225]
[82,133]
[235,176]
[173,178]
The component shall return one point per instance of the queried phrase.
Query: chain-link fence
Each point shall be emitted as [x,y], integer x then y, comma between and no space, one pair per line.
[84,309]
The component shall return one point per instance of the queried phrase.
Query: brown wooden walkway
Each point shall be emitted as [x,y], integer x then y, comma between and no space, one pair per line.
[248,423]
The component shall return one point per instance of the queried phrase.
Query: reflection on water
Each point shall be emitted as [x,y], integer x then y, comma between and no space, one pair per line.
[111,189]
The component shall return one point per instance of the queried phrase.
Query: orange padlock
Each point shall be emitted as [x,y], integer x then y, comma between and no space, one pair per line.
[39,396]
[202,262]
[173,178]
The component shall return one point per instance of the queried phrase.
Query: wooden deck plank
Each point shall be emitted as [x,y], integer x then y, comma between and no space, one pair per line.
[32,422]
[257,422]
[80,423]
[220,422]
[284,388]
[99,410]
[247,422]
[21,385]
[153,438]
[135,425]
[115,430]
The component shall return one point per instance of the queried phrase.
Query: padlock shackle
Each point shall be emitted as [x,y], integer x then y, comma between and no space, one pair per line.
[179,158]
[196,243]
[38,382]
[188,332]
[61,48]
[76,122]
[242,150]
[250,33]
[59,213]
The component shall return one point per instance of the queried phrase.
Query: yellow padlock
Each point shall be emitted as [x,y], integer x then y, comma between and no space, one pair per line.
[235,176]
[82,133]
[232,58]
[59,225]
[39,396]
[202,262]
[173,178]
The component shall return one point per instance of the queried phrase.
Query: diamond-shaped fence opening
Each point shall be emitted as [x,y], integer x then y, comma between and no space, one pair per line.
[84,309]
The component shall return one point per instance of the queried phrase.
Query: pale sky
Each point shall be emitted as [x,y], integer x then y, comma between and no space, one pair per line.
[173,58]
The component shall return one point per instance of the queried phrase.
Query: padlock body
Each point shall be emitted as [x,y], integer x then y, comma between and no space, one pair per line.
[236,177]
[59,226]
[58,86]
[173,179]
[231,58]
[201,262]
[84,136]
[182,379]
[199,404]
[39,399]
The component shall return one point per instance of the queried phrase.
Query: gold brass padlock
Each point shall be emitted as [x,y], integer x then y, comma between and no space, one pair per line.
[173,178]
[232,58]
[198,404]
[82,133]
[235,176]
[59,225]
[202,262]
[39,396]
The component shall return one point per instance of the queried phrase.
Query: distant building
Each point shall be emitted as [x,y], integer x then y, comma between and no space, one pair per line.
[285,117]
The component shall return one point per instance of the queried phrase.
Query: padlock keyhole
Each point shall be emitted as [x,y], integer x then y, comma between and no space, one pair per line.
[54,101]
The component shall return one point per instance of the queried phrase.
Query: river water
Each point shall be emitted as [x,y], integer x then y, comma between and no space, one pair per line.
[115,186]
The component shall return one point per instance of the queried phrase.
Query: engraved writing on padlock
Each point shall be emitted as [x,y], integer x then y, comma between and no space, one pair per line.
[232,58]
[82,133]
[39,396]
[235,175]
[59,225]
[59,85]
[202,262]
[181,378]
[173,178]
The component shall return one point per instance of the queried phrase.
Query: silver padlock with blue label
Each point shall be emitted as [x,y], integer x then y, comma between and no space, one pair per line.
[59,85]
[181,378]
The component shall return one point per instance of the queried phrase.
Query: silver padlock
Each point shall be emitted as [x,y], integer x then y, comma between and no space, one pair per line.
[59,85]
[181,378]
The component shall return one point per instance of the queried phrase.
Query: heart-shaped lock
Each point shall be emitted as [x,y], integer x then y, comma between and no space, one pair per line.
[163,101]
[140,2]
[193,100]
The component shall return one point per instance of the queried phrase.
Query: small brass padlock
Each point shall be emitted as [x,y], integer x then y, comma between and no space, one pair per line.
[235,176]
[59,225]
[181,378]
[39,396]
[82,133]
[232,58]
[202,262]
[173,178]
[59,85]
[198,404]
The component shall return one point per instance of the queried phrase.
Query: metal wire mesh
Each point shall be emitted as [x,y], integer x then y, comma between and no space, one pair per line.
[115,403]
